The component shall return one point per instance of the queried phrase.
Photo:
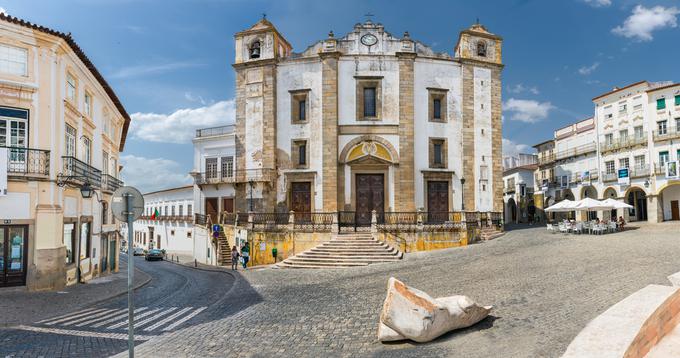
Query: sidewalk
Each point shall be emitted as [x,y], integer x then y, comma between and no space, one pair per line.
[23,307]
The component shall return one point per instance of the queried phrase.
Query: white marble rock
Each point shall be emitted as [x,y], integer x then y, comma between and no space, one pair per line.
[412,314]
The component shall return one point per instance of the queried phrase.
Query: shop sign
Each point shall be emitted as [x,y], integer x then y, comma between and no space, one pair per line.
[672,170]
[624,177]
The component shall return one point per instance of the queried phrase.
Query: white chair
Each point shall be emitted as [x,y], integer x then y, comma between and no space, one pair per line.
[578,228]
[550,228]
[563,228]
[598,229]
[612,227]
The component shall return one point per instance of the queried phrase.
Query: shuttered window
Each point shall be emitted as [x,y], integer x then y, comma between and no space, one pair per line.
[661,103]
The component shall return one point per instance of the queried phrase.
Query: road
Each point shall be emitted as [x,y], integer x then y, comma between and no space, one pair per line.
[176,297]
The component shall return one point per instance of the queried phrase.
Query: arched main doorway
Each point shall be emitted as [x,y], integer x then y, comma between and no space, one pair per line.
[590,192]
[638,199]
[669,196]
[512,210]
[610,193]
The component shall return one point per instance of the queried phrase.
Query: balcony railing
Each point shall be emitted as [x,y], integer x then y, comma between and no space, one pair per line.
[580,150]
[213,131]
[78,171]
[110,183]
[668,134]
[546,159]
[621,143]
[236,176]
[27,162]
[639,171]
[606,177]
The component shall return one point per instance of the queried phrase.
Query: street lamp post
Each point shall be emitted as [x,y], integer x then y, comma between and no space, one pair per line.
[462,193]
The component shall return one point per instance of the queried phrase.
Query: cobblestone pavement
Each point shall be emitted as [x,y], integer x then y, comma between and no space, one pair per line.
[545,289]
[176,297]
[22,307]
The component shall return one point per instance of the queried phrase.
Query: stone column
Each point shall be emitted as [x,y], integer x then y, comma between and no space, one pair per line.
[468,134]
[654,209]
[405,185]
[329,131]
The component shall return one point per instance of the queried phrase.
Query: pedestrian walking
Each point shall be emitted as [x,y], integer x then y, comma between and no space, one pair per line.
[245,254]
[234,258]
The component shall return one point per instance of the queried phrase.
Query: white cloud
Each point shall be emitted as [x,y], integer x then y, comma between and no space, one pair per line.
[512,148]
[640,25]
[196,98]
[3,11]
[143,70]
[528,111]
[520,88]
[150,174]
[598,3]
[586,70]
[180,126]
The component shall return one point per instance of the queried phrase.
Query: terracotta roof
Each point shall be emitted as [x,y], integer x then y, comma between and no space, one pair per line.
[663,87]
[86,61]
[544,142]
[620,89]
[168,190]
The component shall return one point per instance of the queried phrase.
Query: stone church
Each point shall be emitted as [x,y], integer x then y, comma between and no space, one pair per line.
[367,121]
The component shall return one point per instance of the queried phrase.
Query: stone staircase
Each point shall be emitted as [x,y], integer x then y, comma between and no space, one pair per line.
[490,232]
[224,250]
[344,250]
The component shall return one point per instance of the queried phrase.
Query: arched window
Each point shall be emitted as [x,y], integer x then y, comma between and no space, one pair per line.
[481,48]
[255,49]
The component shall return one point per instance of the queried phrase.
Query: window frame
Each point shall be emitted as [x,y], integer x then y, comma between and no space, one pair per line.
[13,62]
[659,126]
[296,98]
[440,94]
[296,150]
[443,149]
[607,167]
[71,242]
[660,104]
[88,104]
[71,87]
[363,82]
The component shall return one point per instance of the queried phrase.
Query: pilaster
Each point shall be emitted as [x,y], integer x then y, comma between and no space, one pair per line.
[329,132]
[405,185]
[468,134]
[496,139]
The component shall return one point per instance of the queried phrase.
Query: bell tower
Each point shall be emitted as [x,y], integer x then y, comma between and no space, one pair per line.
[479,53]
[257,52]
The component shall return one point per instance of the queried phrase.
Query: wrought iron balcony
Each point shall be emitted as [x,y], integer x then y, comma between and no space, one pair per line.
[78,172]
[668,134]
[622,143]
[214,131]
[606,177]
[110,183]
[639,171]
[27,162]
[236,176]
[580,150]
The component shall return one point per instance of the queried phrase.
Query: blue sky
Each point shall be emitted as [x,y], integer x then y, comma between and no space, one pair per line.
[170,61]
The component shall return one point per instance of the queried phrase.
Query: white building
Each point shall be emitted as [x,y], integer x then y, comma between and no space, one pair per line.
[215,171]
[519,187]
[635,132]
[172,228]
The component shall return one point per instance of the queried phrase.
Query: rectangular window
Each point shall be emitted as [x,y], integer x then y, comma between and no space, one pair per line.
[227,167]
[437,153]
[70,87]
[189,212]
[623,108]
[608,116]
[173,210]
[88,104]
[639,162]
[437,108]
[87,150]
[624,163]
[302,110]
[70,242]
[662,127]
[105,163]
[609,165]
[13,60]
[369,102]
[114,168]
[677,125]
[211,168]
[637,107]
[70,141]
[677,100]
[85,240]
[639,132]
[663,158]
[609,139]
[166,211]
[302,153]
[623,135]
[181,210]
[660,103]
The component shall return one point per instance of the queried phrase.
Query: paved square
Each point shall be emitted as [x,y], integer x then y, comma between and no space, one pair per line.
[544,287]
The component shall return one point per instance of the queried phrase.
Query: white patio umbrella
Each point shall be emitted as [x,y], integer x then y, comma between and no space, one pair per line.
[590,204]
[565,205]
[617,204]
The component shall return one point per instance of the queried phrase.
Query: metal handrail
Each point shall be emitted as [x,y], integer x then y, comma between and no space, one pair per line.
[77,170]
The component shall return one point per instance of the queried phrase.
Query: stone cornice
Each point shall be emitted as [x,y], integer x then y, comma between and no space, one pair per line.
[270,61]
[483,63]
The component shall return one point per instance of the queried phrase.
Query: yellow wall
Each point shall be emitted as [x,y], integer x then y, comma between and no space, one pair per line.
[423,241]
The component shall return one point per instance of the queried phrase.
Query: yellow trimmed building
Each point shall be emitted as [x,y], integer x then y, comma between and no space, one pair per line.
[62,128]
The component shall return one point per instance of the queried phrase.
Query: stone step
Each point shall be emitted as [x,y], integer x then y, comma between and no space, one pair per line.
[351,253]
[364,252]
[359,258]
[325,263]
[312,266]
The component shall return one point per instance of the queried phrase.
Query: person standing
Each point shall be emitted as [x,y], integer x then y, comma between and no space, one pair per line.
[234,258]
[245,254]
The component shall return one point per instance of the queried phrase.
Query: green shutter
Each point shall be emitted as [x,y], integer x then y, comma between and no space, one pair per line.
[661,103]
[677,100]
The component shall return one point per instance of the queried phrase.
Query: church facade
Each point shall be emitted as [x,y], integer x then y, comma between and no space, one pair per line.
[367,121]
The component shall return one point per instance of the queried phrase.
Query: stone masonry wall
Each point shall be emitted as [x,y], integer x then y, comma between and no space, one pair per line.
[405,185]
